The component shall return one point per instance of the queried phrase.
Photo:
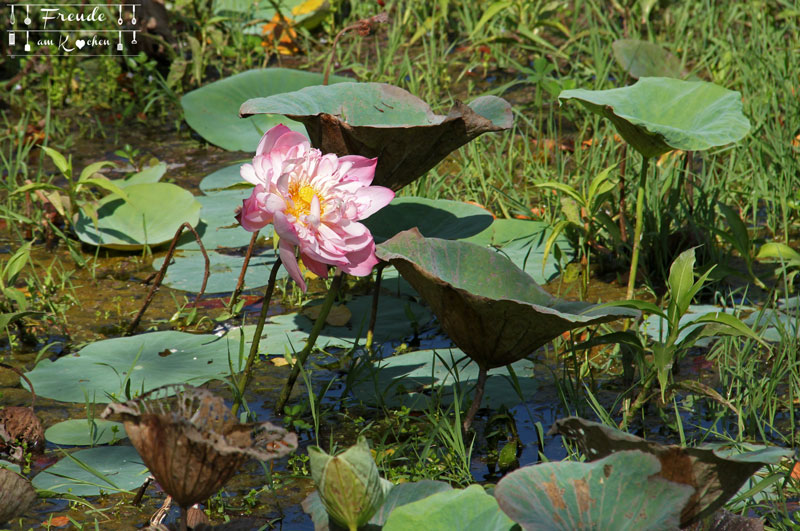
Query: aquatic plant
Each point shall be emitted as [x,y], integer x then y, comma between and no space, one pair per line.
[315,202]
[492,310]
[659,114]
[192,444]
[384,121]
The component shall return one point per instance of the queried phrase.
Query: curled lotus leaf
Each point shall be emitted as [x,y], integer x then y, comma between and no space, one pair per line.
[659,114]
[621,492]
[493,311]
[17,495]
[384,121]
[191,442]
[715,474]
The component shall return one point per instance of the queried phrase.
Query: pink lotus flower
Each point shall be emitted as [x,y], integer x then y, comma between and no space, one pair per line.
[314,202]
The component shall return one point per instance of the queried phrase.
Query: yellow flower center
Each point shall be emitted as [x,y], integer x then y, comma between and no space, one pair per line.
[302,197]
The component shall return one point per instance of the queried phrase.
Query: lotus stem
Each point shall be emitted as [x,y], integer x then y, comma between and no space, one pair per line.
[163,271]
[641,400]
[483,374]
[312,339]
[376,294]
[240,282]
[637,232]
[262,317]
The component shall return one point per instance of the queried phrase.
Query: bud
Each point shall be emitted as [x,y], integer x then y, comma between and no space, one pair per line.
[348,484]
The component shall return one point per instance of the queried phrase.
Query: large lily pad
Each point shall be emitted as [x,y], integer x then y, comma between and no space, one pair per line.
[213,110]
[434,218]
[620,492]
[384,121]
[713,472]
[455,510]
[491,309]
[646,59]
[417,379]
[659,114]
[150,216]
[217,182]
[118,469]
[186,271]
[98,372]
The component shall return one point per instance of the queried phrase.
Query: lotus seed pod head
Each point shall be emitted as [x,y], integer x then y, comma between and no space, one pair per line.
[348,484]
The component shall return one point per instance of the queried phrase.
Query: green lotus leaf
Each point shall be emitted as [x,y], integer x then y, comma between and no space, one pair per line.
[292,10]
[348,484]
[81,432]
[102,370]
[455,510]
[418,379]
[118,469]
[659,114]
[646,59]
[491,309]
[219,181]
[186,271]
[434,218]
[150,216]
[213,110]
[384,121]
[715,471]
[621,492]
[149,175]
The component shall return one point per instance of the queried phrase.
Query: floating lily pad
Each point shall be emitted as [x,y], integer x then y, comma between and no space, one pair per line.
[646,59]
[218,228]
[659,114]
[619,492]
[290,331]
[435,218]
[186,272]
[99,370]
[79,432]
[217,182]
[149,175]
[714,472]
[119,469]
[455,510]
[491,309]
[774,326]
[384,121]
[416,379]
[213,110]
[523,242]
[150,216]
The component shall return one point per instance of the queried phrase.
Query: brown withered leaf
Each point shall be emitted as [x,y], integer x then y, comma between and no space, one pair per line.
[16,495]
[20,431]
[192,444]
[715,475]
[384,121]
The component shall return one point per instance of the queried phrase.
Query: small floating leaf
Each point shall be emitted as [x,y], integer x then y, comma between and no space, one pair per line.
[81,432]
[150,216]
[107,469]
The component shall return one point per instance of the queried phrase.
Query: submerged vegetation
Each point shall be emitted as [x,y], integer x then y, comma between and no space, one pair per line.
[395,265]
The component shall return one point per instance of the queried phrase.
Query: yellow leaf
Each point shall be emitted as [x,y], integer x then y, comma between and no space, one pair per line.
[279,362]
[309,6]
